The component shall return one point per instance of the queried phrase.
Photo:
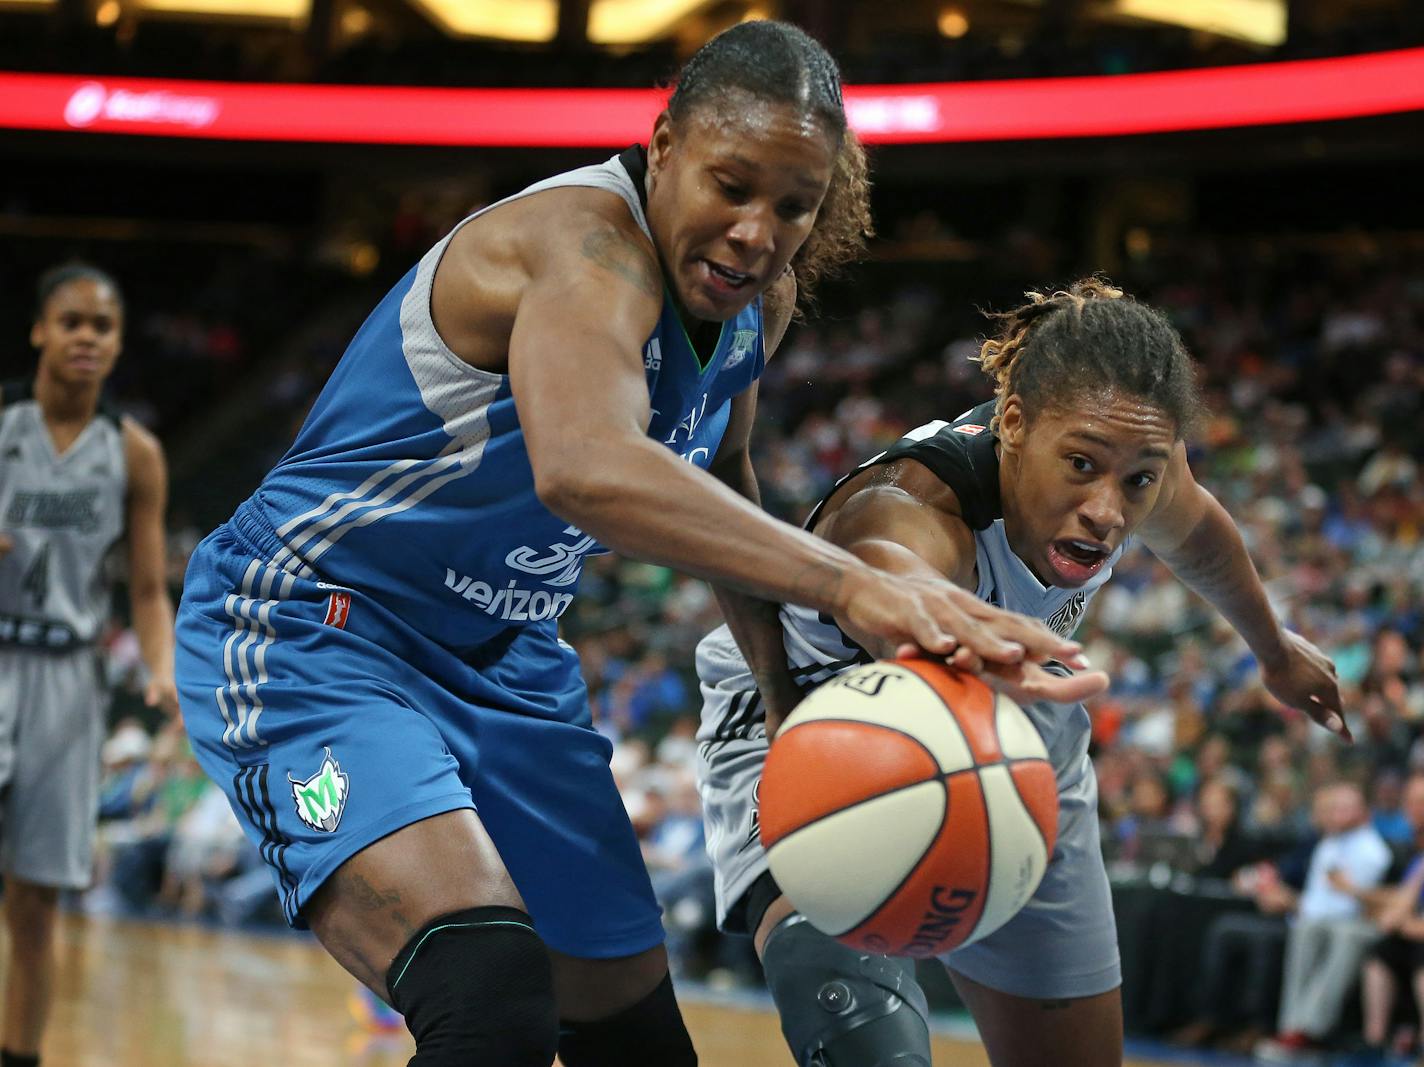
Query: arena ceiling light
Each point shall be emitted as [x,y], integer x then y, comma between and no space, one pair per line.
[1259,22]
[610,22]
[636,21]
[505,20]
[267,10]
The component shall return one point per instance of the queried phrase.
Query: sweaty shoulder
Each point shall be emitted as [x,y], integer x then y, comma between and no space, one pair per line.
[571,237]
[905,478]
[905,503]
[958,457]
[929,492]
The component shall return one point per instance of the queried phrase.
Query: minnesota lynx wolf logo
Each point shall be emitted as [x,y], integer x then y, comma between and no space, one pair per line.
[322,797]
[743,341]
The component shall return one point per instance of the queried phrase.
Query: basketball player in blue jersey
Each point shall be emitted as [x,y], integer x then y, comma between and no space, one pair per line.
[75,479]
[369,659]
[1027,501]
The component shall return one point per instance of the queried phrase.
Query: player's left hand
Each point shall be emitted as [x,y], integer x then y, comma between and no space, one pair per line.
[1026,682]
[162,693]
[1029,683]
[1305,678]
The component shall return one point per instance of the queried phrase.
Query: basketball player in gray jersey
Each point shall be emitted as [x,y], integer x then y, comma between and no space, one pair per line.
[1028,500]
[74,478]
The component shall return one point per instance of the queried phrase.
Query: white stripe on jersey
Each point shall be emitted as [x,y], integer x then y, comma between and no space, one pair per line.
[456,392]
[350,494]
[337,519]
[246,700]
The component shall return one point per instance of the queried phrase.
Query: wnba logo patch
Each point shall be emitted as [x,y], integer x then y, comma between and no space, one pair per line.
[321,798]
[338,607]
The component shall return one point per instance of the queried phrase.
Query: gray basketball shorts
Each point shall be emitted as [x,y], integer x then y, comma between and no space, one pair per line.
[52,709]
[1063,944]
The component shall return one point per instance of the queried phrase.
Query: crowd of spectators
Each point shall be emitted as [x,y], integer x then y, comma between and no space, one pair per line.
[1313,369]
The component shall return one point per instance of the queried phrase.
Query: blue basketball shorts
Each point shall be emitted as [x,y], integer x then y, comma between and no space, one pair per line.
[329,723]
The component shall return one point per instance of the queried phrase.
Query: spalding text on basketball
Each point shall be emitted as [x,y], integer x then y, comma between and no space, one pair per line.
[866,682]
[947,907]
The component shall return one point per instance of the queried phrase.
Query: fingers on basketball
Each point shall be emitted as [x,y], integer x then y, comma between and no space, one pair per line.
[907,809]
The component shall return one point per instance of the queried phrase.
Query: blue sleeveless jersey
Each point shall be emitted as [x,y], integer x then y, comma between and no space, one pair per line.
[411,481]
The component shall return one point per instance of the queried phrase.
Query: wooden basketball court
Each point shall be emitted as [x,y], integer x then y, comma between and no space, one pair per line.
[136,994]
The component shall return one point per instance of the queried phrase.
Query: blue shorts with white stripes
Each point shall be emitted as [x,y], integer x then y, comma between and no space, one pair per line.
[329,723]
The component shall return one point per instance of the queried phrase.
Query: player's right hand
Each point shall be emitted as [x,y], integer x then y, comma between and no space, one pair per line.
[939,619]
[7,543]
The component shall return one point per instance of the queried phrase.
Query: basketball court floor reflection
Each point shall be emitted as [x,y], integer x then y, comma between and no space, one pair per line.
[140,994]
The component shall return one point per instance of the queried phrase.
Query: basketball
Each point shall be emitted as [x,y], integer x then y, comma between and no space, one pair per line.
[907,808]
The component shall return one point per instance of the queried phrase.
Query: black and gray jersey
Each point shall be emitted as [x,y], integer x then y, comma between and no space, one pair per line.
[962,453]
[63,514]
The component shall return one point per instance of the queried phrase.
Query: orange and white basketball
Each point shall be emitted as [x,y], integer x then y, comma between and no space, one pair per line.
[907,808]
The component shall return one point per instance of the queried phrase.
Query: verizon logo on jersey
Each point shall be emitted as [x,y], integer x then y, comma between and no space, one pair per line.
[510,603]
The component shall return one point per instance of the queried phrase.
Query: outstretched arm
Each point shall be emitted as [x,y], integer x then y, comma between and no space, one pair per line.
[575,364]
[904,520]
[1191,532]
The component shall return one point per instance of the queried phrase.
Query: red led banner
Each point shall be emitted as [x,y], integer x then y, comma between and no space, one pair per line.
[1261,94]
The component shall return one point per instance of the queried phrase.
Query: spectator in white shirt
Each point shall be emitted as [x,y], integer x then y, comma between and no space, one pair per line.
[1330,935]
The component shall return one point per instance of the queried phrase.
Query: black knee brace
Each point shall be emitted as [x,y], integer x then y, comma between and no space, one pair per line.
[650,1033]
[476,986]
[843,1008]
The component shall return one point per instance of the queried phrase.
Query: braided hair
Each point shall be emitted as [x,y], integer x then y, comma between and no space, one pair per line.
[777,61]
[1090,337]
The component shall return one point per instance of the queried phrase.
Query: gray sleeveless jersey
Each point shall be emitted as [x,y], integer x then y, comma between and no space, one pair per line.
[732,736]
[963,454]
[63,514]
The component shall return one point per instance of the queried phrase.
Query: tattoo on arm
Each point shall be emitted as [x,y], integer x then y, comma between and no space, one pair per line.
[616,253]
[369,898]
[1204,572]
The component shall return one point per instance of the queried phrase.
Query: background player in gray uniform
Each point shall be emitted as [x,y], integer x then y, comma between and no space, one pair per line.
[1028,500]
[74,478]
